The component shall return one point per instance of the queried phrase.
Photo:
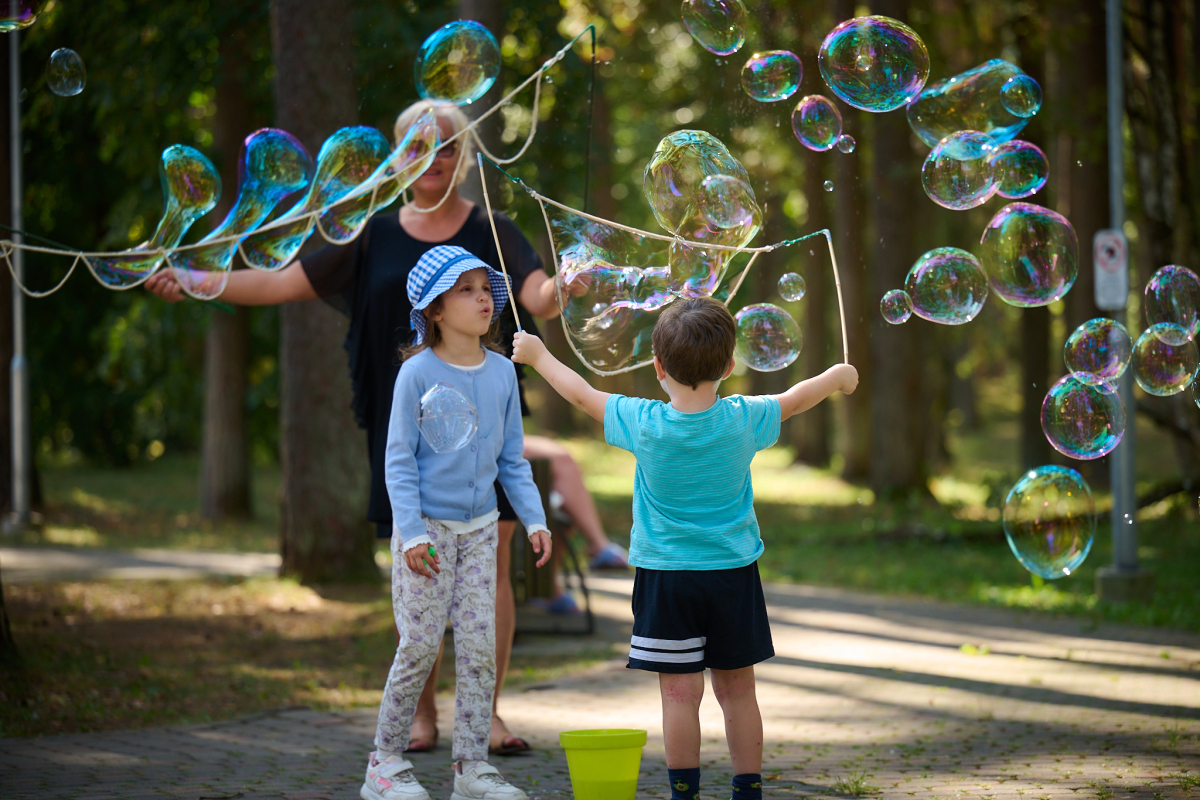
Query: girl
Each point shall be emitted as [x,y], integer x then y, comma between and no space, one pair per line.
[444,535]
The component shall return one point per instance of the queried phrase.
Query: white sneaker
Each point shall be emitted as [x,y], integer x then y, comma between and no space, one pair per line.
[483,782]
[391,779]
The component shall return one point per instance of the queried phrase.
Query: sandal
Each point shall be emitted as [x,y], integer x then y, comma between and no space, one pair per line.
[423,744]
[613,556]
[509,745]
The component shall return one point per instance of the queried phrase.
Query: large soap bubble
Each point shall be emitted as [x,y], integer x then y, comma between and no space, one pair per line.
[728,201]
[957,174]
[817,123]
[1173,295]
[1082,417]
[1030,255]
[947,286]
[772,75]
[274,164]
[191,187]
[65,74]
[1021,96]
[1019,169]
[791,286]
[874,63]
[18,14]
[718,25]
[446,418]
[457,64]
[768,339]
[969,101]
[1160,367]
[1099,348]
[896,307]
[1050,521]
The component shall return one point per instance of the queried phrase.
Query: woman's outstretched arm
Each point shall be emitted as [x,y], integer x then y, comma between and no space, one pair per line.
[245,287]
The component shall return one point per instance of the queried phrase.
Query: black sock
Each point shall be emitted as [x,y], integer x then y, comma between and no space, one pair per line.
[747,786]
[685,783]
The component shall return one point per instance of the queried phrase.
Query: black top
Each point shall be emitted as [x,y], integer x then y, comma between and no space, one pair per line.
[367,280]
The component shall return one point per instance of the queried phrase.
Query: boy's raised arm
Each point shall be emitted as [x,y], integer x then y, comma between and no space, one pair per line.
[529,349]
[806,394]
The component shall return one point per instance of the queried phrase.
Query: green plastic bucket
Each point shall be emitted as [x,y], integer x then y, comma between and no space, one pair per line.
[604,763]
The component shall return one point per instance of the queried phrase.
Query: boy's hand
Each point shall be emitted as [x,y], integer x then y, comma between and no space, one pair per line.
[527,349]
[847,377]
[421,561]
[541,540]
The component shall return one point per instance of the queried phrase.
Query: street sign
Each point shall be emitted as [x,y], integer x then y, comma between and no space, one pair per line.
[1110,254]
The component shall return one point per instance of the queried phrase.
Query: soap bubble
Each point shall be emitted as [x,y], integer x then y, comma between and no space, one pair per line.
[947,286]
[728,201]
[957,174]
[896,306]
[828,186]
[191,187]
[1019,169]
[969,101]
[1100,348]
[718,25]
[65,73]
[1196,387]
[791,286]
[874,63]
[768,339]
[772,75]
[1030,255]
[446,418]
[1173,295]
[1162,368]
[1050,521]
[1021,96]
[817,123]
[457,64]
[18,14]
[1083,417]
[846,143]
[274,164]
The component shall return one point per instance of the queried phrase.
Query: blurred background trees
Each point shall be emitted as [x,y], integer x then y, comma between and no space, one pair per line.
[117,378]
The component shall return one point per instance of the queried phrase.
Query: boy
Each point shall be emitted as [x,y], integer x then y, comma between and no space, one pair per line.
[697,599]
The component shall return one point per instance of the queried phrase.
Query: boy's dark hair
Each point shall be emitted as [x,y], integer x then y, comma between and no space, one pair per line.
[694,339]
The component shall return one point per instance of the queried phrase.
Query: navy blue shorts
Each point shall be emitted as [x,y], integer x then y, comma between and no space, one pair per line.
[692,620]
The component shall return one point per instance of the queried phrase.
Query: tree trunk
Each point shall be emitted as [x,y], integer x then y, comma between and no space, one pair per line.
[224,453]
[850,219]
[898,418]
[810,430]
[323,534]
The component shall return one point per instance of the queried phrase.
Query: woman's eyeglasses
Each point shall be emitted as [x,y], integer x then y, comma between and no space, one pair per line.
[448,150]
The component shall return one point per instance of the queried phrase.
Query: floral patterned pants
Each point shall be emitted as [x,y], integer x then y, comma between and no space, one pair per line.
[465,593]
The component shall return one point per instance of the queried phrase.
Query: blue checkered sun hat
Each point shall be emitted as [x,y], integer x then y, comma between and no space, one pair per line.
[436,272]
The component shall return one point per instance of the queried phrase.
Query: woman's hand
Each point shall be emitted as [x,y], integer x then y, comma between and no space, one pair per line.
[421,559]
[541,544]
[165,286]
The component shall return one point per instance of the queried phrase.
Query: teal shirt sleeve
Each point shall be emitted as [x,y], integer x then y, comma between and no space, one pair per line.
[621,415]
[765,419]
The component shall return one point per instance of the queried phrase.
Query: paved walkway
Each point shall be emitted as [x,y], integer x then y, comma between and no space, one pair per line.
[39,564]
[911,699]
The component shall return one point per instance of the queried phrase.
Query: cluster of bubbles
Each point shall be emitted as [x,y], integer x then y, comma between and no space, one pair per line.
[1049,520]
[1165,357]
[65,74]
[446,418]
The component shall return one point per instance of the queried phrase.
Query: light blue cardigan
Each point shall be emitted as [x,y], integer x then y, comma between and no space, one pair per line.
[458,485]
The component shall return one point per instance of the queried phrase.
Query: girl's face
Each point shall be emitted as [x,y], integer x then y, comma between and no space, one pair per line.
[467,306]
[438,177]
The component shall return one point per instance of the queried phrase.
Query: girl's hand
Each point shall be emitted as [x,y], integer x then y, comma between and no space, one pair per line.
[541,540]
[164,284]
[847,378]
[420,560]
[528,349]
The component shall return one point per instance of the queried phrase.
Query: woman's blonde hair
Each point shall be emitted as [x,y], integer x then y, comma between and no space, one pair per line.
[458,121]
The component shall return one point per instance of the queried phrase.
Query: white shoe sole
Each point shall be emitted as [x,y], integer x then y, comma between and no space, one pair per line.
[367,793]
[457,796]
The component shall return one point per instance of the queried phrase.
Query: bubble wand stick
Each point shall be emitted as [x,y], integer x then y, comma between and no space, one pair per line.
[487,202]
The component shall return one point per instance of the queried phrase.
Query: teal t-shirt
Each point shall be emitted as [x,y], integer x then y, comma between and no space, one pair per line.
[693,505]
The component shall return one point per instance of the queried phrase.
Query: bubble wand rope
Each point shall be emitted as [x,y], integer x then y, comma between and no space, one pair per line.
[499,251]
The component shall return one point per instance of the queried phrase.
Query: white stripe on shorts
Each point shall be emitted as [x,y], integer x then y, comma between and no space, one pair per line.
[668,644]
[666,658]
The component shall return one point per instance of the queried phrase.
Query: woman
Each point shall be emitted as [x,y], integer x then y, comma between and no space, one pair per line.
[366,279]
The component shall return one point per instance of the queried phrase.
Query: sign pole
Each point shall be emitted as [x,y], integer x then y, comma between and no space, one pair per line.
[19,368]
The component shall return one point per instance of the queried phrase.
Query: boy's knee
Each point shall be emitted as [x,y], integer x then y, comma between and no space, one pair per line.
[736,685]
[682,689]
